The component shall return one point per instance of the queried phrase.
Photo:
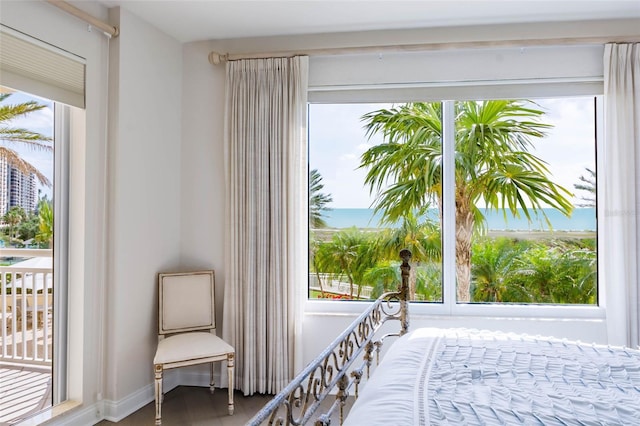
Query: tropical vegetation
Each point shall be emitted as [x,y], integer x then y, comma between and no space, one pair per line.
[504,270]
[29,228]
[317,200]
[588,186]
[44,234]
[12,218]
[495,166]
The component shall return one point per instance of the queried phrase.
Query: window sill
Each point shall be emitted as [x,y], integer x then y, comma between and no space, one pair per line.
[346,307]
[50,414]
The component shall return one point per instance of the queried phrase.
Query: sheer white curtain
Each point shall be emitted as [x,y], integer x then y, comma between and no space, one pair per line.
[265,151]
[621,232]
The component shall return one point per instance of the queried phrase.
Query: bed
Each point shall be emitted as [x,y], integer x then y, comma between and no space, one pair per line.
[465,376]
[434,376]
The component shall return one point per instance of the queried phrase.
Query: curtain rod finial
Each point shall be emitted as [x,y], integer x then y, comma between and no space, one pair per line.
[216,58]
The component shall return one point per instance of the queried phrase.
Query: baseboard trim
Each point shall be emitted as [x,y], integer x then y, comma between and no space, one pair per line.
[114,411]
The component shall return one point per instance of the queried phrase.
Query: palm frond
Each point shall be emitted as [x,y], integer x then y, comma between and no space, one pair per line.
[11,136]
[16,161]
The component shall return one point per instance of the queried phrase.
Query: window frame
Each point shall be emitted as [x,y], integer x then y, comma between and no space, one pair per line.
[449,307]
[61,143]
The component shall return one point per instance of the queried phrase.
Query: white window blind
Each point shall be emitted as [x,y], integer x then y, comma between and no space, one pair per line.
[32,66]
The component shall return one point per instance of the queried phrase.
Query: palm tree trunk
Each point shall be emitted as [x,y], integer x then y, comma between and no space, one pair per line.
[350,286]
[464,232]
[412,282]
[320,284]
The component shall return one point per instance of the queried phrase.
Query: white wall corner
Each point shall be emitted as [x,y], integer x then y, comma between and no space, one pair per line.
[114,411]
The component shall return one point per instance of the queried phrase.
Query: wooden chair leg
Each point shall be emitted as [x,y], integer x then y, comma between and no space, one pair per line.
[158,392]
[230,367]
[212,383]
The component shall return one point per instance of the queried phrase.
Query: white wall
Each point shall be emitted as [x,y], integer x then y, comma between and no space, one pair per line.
[203,169]
[202,197]
[144,195]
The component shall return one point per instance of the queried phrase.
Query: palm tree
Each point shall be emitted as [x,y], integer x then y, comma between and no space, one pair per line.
[421,237]
[13,218]
[382,277]
[349,254]
[17,136]
[560,272]
[493,163]
[317,200]
[45,223]
[589,185]
[493,265]
[429,282]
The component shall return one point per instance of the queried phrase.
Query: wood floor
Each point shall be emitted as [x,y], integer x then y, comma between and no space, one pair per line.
[191,406]
[195,406]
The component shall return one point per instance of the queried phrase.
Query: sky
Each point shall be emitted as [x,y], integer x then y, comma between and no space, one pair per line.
[337,140]
[39,121]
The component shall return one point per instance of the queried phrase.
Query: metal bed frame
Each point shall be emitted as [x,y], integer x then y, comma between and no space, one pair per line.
[336,367]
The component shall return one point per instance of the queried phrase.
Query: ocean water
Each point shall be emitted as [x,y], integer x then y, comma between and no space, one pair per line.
[582,219]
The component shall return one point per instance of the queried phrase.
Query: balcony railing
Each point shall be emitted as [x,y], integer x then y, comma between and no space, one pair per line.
[26,305]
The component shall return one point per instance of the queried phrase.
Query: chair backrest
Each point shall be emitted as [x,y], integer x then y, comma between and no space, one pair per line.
[186,302]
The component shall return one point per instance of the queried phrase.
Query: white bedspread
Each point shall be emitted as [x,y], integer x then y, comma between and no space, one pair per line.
[470,377]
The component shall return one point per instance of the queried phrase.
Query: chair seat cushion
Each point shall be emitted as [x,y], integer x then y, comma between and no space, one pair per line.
[190,346]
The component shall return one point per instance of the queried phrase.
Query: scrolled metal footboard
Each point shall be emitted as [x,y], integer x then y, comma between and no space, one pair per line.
[299,401]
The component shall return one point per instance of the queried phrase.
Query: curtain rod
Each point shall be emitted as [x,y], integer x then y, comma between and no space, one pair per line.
[216,58]
[109,30]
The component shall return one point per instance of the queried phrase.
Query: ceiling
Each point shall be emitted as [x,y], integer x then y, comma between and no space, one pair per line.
[191,20]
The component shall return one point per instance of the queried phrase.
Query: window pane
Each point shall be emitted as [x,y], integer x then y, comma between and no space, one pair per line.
[374,189]
[525,216]
[26,255]
[525,201]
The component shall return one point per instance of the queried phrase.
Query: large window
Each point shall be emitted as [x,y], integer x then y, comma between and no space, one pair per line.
[496,199]
[29,282]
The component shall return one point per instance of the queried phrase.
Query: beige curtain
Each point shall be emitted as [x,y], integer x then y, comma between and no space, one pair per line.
[266,107]
[621,222]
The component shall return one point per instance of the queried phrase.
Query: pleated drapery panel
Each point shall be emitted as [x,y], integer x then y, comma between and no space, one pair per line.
[266,259]
[621,224]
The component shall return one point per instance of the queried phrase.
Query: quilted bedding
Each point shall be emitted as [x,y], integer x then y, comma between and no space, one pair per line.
[470,377]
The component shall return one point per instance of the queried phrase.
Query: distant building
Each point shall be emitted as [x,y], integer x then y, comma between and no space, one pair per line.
[16,189]
[4,186]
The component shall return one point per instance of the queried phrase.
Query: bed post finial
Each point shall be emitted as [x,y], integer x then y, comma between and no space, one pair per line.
[405,269]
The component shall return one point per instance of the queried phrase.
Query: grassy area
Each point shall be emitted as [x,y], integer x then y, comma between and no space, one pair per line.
[325,234]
